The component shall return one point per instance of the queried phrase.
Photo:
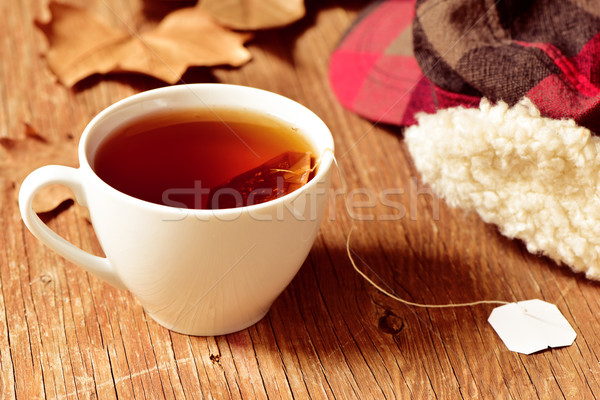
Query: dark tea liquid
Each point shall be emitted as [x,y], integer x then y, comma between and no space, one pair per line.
[177,158]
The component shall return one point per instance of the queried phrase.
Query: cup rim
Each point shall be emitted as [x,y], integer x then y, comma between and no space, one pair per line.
[325,163]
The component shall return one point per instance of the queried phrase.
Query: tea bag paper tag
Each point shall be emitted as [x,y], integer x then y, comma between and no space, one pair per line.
[531,325]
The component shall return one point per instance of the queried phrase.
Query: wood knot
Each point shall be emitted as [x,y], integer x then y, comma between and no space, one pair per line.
[390,323]
[215,358]
[45,278]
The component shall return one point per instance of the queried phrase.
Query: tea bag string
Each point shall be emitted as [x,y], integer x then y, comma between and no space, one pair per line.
[407,302]
[369,280]
[301,171]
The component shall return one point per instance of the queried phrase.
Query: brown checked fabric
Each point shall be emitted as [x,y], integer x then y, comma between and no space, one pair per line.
[406,56]
[507,49]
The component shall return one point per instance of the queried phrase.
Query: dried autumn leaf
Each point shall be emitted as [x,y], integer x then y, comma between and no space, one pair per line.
[254,14]
[81,45]
[19,157]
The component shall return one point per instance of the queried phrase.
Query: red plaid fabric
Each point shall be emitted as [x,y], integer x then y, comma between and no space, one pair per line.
[406,56]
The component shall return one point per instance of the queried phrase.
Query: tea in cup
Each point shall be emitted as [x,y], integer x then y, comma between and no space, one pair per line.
[205,198]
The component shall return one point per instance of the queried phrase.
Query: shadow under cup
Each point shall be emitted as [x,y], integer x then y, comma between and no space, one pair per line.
[198,272]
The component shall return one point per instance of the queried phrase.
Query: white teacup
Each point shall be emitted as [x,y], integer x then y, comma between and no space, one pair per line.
[198,272]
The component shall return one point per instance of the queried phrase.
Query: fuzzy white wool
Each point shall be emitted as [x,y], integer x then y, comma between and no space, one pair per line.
[536,178]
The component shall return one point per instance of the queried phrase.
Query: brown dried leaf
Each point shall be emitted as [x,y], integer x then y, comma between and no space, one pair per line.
[254,14]
[81,45]
[19,157]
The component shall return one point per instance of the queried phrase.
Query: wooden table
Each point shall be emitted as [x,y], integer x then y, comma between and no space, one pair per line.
[66,334]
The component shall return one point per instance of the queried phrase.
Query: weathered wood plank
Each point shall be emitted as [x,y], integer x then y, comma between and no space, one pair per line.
[65,334]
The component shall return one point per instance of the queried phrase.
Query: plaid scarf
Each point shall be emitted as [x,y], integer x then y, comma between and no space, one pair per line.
[402,57]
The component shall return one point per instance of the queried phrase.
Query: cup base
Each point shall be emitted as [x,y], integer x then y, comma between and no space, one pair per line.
[209,331]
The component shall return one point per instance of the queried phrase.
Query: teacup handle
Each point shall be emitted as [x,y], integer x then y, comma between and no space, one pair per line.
[69,177]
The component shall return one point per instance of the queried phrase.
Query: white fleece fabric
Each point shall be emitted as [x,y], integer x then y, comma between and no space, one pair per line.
[536,178]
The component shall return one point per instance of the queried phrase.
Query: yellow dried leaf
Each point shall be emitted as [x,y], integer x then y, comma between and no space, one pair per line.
[254,14]
[81,45]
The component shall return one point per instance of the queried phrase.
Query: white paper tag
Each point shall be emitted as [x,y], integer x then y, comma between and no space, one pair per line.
[531,325]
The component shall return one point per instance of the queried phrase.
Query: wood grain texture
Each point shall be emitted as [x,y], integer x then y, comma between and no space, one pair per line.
[66,335]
